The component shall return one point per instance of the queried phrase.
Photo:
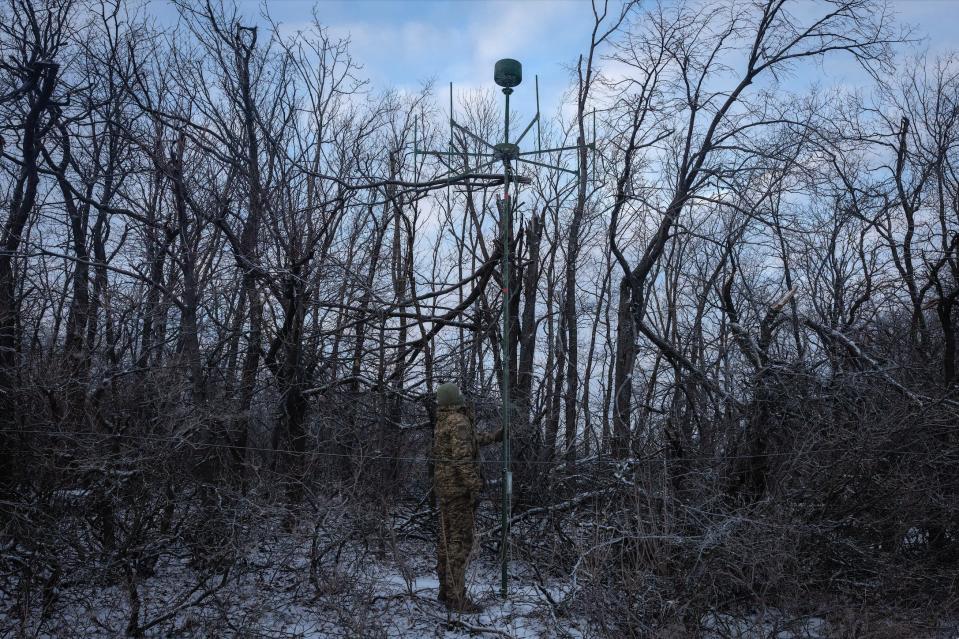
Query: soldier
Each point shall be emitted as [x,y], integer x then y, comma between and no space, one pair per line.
[457,483]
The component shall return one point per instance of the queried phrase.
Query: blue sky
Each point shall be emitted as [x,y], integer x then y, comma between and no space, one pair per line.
[402,43]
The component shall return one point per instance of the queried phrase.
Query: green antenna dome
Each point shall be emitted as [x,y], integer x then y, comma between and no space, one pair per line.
[508,73]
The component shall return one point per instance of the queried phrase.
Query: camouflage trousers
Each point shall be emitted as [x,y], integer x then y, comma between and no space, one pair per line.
[454,546]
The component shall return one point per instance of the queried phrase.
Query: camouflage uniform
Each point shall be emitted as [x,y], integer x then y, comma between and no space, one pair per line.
[457,482]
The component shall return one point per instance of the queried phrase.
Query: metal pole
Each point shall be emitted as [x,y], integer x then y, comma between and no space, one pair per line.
[507,91]
[505,217]
[539,134]
[449,195]
[594,145]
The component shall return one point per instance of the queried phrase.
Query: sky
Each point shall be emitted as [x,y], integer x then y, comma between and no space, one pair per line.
[402,43]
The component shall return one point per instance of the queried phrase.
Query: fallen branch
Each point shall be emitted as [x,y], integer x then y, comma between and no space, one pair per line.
[830,333]
[570,503]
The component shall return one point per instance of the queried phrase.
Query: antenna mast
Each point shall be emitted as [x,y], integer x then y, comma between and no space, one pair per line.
[508,74]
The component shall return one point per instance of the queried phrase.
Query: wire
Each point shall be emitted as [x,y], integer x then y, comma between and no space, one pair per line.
[530,462]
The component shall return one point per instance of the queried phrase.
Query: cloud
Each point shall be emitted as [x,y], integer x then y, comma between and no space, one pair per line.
[462,45]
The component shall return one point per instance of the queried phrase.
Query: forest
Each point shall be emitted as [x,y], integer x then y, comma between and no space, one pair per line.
[234,270]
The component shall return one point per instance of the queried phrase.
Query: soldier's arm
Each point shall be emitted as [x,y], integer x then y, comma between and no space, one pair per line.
[485,439]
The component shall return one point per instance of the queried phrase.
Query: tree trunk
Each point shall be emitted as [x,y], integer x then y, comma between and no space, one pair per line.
[623,376]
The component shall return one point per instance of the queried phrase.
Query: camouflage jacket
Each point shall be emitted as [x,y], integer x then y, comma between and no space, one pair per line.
[456,451]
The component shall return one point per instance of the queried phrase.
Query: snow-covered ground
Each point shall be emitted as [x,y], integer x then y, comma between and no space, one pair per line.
[367,592]
[300,586]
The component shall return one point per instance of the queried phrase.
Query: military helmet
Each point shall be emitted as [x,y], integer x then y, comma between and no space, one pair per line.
[448,394]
